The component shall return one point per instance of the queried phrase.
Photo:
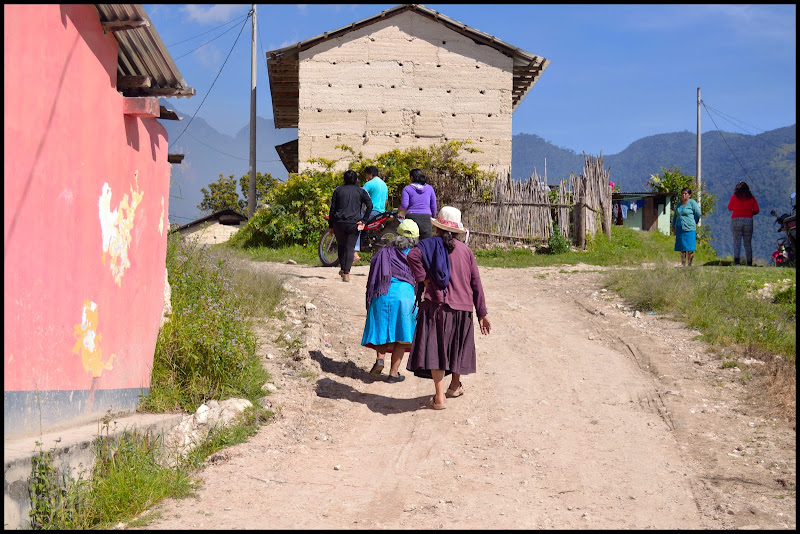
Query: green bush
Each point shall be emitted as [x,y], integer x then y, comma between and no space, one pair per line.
[557,243]
[207,349]
[297,207]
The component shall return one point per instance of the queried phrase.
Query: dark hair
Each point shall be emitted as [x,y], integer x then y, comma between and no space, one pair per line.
[689,189]
[350,177]
[373,170]
[418,177]
[402,242]
[742,191]
[447,238]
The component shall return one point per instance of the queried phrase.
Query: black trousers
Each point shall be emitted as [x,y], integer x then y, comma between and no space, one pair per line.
[423,221]
[346,235]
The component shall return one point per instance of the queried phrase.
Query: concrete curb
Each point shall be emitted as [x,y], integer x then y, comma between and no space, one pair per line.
[73,452]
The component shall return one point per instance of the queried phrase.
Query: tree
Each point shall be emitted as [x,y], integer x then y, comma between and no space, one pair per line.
[264,184]
[671,181]
[220,195]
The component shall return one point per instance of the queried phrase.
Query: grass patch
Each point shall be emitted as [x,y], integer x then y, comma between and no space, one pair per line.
[248,423]
[723,303]
[207,350]
[303,255]
[626,247]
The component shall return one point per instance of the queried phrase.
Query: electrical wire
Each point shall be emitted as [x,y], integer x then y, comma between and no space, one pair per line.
[726,141]
[215,79]
[209,31]
[751,133]
[207,42]
[230,155]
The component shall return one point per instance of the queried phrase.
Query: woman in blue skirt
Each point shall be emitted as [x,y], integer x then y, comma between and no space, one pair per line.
[391,311]
[687,215]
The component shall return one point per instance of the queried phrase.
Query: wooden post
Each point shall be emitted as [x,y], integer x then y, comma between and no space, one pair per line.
[580,222]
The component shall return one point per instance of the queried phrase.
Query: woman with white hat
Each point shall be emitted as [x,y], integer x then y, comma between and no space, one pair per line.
[391,310]
[444,341]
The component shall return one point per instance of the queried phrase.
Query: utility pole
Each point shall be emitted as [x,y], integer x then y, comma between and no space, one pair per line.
[699,182]
[251,198]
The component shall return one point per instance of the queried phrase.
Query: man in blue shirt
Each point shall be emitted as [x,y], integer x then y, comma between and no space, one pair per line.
[378,193]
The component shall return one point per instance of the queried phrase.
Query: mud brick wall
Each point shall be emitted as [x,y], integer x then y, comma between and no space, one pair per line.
[400,83]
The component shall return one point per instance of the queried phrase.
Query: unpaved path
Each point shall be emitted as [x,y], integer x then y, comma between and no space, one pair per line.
[581,416]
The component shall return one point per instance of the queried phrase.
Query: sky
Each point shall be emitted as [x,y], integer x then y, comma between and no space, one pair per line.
[617,73]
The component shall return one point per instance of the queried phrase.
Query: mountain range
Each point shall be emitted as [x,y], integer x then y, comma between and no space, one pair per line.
[767,162]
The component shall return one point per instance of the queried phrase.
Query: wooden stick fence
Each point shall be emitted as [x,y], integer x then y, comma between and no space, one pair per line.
[522,211]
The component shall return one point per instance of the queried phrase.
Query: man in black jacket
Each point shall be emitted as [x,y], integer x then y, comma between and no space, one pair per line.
[345,220]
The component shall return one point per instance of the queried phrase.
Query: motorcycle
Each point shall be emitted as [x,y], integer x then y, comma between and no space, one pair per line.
[378,228]
[786,249]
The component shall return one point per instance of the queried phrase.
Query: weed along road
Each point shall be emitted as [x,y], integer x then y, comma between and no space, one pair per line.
[583,415]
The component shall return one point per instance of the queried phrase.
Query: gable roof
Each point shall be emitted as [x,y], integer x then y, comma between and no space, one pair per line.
[144,66]
[283,64]
[226,216]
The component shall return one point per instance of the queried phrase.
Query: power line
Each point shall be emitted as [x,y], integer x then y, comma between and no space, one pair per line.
[215,79]
[207,42]
[209,31]
[230,155]
[756,127]
[726,141]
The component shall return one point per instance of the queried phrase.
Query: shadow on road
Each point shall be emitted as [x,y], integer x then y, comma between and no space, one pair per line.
[331,389]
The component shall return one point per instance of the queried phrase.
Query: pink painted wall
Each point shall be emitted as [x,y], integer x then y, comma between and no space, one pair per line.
[65,136]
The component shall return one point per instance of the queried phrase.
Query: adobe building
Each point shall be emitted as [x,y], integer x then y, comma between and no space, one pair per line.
[406,77]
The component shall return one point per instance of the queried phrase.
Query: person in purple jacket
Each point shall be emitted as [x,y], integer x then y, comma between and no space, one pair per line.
[444,339]
[418,203]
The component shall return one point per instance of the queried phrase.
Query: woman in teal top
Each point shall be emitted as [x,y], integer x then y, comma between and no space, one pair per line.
[687,215]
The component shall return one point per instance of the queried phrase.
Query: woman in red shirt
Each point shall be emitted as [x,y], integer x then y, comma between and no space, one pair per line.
[743,206]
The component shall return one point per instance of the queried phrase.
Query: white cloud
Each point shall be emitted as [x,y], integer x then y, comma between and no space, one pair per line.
[767,22]
[214,13]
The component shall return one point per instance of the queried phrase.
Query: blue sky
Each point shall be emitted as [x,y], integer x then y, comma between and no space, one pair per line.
[618,72]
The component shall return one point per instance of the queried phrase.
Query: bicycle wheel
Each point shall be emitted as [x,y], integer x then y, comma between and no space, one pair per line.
[328,250]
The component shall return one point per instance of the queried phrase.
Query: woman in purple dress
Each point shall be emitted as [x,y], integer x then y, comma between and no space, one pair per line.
[444,340]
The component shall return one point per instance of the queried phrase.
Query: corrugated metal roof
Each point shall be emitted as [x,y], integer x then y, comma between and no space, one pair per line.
[283,64]
[142,53]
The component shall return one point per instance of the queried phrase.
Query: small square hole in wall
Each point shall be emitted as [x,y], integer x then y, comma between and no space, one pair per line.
[349,110]
[444,42]
[327,136]
[417,112]
[454,114]
[490,115]
[319,110]
[399,63]
[329,85]
[334,63]
[420,88]
[476,66]
[383,111]
[359,86]
[393,87]
[448,90]
[482,91]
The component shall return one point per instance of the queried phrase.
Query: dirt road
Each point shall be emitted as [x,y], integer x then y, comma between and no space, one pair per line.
[581,416]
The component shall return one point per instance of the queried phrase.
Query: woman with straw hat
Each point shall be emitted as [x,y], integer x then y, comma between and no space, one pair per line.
[444,341]
[391,310]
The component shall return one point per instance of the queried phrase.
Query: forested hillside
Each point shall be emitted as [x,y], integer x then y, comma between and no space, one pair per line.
[767,162]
